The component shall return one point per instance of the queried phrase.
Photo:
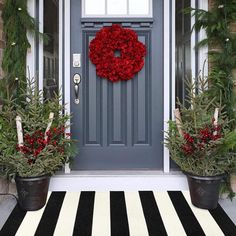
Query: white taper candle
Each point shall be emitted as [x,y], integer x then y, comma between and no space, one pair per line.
[19,131]
[216,115]
[51,116]
[178,121]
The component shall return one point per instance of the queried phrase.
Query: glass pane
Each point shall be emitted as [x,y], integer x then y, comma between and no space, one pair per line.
[116,7]
[139,7]
[94,7]
[187,18]
[50,50]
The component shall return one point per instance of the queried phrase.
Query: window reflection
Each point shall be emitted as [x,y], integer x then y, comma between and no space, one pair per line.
[116,7]
[137,7]
[95,7]
[110,8]
[50,54]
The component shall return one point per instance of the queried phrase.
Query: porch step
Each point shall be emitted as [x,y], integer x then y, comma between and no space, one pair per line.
[118,181]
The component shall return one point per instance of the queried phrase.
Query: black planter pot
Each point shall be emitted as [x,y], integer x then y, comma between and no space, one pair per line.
[32,192]
[204,190]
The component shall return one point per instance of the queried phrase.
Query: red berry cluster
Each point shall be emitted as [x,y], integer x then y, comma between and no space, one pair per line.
[187,149]
[35,143]
[188,138]
[202,139]
[208,134]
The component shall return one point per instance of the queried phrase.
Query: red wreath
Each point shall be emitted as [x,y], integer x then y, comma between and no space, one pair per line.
[109,41]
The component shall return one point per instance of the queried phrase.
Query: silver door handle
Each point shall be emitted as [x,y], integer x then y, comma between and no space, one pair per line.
[76,79]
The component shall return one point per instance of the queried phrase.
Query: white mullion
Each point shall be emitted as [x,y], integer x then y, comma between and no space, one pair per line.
[150,13]
[127,5]
[167,94]
[40,54]
[106,10]
[82,8]
[31,53]
[203,51]
[193,43]
[173,59]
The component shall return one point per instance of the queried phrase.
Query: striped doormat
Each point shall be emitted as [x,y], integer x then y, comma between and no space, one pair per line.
[119,214]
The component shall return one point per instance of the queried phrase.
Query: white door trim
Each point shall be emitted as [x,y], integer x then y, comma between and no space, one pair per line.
[168,79]
[67,64]
[168,61]
[67,56]
[31,54]
[40,53]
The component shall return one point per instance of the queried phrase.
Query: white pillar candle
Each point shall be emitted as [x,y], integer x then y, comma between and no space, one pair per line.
[178,121]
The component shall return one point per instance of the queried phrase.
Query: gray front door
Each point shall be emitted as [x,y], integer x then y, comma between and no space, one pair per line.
[119,125]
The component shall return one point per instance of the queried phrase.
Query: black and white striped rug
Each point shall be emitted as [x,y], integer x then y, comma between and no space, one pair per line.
[119,214]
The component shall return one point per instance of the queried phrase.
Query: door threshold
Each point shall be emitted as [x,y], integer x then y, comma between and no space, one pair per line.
[82,173]
[118,181]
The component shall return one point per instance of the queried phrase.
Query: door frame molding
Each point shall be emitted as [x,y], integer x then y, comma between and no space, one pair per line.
[169,73]
[35,55]
[67,62]
[168,70]
[31,55]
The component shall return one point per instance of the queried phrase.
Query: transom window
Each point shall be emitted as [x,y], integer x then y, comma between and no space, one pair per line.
[117,8]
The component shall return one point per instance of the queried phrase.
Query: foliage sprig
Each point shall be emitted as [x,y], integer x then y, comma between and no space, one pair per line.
[216,22]
[17,23]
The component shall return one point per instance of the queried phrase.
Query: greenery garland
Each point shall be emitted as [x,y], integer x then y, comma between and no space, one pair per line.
[216,23]
[16,23]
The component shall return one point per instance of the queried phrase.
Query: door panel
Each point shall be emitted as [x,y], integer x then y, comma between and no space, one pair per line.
[118,125]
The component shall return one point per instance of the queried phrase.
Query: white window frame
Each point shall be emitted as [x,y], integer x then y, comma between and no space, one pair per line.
[168,77]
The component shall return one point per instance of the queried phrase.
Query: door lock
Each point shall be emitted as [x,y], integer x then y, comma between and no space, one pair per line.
[77,80]
[76,60]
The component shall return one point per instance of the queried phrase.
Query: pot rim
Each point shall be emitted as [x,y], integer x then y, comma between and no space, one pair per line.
[207,177]
[32,177]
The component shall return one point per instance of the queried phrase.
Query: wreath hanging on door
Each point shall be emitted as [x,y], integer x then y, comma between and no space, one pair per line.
[117,53]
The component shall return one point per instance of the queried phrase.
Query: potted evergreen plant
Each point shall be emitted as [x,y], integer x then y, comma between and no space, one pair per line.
[33,143]
[217,22]
[201,143]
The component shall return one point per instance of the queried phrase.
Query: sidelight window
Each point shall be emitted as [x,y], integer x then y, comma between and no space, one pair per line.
[51,48]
